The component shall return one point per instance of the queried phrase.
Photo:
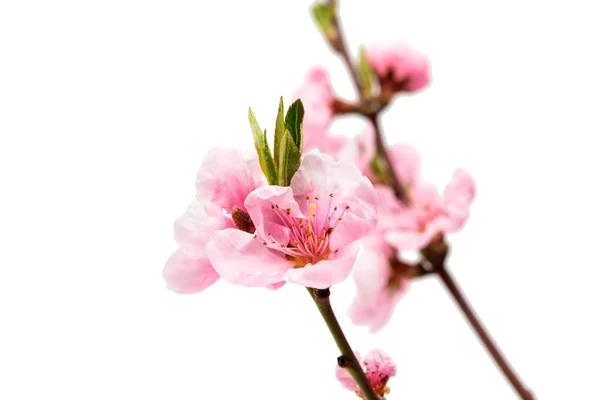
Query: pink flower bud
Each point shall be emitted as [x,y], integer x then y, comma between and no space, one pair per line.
[378,368]
[399,66]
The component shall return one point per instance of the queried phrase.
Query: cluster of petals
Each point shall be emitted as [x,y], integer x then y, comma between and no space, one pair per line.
[223,182]
[378,367]
[400,63]
[428,213]
[380,283]
[307,233]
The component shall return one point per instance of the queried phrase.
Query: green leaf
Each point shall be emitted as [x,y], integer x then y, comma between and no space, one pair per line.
[365,73]
[324,15]
[289,159]
[262,148]
[293,122]
[279,130]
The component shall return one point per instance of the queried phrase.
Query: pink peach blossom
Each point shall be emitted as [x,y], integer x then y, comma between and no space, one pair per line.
[378,367]
[381,279]
[306,233]
[428,213]
[407,67]
[223,182]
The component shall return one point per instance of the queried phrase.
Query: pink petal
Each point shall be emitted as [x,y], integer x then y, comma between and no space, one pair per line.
[407,162]
[226,178]
[374,303]
[267,219]
[349,230]
[317,99]
[410,241]
[326,273]
[405,62]
[360,218]
[458,196]
[243,260]
[275,286]
[379,365]
[425,194]
[194,228]
[320,175]
[187,272]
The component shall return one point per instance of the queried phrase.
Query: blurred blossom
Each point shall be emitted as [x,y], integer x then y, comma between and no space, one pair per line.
[399,66]
[223,181]
[381,278]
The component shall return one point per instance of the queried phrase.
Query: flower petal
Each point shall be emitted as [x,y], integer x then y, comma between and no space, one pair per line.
[243,260]
[226,178]
[194,228]
[320,175]
[379,367]
[268,207]
[458,196]
[350,229]
[275,286]
[317,99]
[326,273]
[187,271]
[407,162]
[410,240]
[375,301]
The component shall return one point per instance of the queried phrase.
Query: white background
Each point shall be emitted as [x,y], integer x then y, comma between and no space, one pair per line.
[107,108]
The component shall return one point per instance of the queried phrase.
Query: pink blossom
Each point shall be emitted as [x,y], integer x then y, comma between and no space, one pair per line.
[378,367]
[428,213]
[400,64]
[381,278]
[306,233]
[317,99]
[223,182]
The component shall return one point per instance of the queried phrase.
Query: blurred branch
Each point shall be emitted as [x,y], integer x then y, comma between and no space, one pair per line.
[369,107]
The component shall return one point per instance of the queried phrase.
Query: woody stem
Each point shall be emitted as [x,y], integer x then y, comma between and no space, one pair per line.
[347,360]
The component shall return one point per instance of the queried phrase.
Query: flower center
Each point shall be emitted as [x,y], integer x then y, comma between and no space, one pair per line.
[310,236]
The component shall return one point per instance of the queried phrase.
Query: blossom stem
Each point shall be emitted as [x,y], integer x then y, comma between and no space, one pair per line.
[347,360]
[339,45]
[381,150]
[483,335]
[372,110]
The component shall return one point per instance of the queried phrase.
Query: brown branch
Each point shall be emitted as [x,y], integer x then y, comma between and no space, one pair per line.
[348,359]
[483,335]
[368,107]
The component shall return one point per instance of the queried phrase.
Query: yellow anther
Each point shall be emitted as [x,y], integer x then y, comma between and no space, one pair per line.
[311,212]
